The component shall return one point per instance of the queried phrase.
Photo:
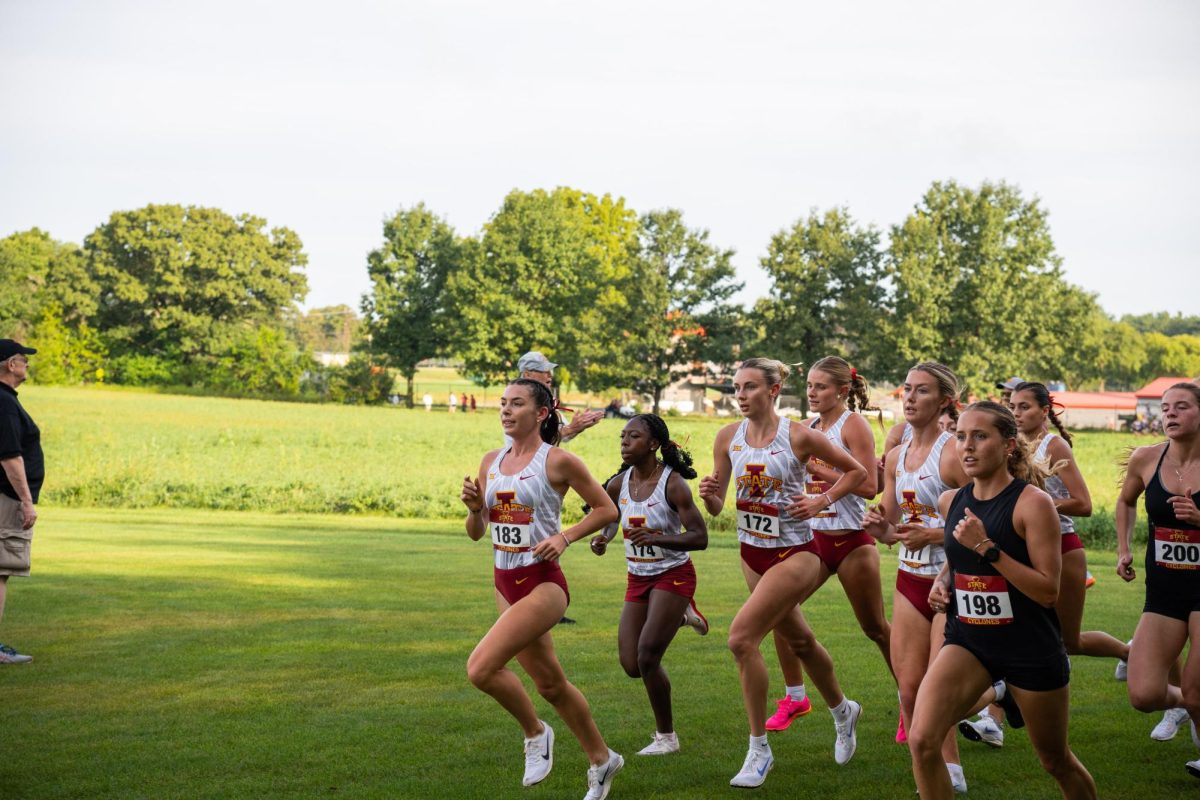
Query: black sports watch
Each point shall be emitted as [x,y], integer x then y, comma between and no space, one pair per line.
[991,555]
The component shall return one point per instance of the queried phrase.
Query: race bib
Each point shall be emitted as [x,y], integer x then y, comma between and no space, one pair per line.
[1176,549]
[512,527]
[642,553]
[982,599]
[760,520]
[921,557]
[818,488]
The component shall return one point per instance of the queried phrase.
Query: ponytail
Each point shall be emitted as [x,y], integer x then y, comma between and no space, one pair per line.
[543,399]
[673,455]
[775,371]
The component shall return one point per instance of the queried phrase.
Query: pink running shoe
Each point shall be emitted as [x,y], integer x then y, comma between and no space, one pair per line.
[788,710]
[901,734]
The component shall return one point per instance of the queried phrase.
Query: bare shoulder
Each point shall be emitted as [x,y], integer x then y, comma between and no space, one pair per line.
[1031,497]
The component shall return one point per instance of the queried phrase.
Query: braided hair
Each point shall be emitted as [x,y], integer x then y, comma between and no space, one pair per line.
[1020,461]
[542,398]
[673,455]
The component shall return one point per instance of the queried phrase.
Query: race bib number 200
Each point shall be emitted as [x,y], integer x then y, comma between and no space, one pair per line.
[982,599]
[1176,549]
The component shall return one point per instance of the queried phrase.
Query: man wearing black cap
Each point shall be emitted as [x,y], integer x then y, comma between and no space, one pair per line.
[21,478]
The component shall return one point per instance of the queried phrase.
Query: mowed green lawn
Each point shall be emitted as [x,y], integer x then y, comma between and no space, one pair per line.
[198,654]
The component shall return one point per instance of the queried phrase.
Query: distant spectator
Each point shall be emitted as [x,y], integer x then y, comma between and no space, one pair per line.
[535,366]
[427,400]
[1006,389]
[472,401]
[453,402]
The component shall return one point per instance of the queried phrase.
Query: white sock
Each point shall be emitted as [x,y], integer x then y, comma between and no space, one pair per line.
[955,770]
[796,693]
[841,712]
[1001,689]
[986,713]
[760,742]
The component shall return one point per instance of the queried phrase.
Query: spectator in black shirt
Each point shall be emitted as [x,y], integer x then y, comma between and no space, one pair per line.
[21,478]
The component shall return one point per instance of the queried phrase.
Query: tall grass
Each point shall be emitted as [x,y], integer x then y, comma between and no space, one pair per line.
[122,449]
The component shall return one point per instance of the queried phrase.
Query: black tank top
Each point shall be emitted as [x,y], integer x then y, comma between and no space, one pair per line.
[1174,554]
[984,607]
[1158,501]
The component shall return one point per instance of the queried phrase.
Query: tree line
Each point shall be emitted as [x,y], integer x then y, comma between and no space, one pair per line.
[182,296]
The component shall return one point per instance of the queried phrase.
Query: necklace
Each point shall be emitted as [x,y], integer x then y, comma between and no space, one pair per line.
[1179,473]
[640,487]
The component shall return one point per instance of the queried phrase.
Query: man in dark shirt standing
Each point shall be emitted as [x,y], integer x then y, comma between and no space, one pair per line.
[21,478]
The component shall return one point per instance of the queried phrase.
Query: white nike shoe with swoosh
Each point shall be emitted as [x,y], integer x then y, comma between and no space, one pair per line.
[754,769]
[600,776]
[539,756]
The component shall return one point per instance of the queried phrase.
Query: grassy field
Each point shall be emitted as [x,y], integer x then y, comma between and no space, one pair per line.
[135,450]
[199,654]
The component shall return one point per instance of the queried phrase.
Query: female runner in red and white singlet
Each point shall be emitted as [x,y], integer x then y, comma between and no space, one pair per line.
[764,456]
[518,493]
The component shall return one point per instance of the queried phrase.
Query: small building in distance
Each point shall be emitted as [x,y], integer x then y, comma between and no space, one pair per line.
[1106,411]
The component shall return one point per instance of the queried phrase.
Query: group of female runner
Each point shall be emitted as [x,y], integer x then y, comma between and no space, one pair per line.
[986,558]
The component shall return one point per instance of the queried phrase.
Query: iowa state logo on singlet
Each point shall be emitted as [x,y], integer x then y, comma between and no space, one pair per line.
[914,509]
[756,482]
[511,523]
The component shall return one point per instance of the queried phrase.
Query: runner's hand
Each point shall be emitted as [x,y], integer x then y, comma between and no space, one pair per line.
[1125,567]
[599,544]
[471,495]
[1185,507]
[709,486]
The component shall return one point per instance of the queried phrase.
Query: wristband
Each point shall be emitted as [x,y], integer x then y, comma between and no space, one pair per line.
[565,539]
[975,549]
[828,499]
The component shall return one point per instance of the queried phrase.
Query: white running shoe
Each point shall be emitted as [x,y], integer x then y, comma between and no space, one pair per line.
[1168,726]
[600,776]
[985,730]
[1193,767]
[957,779]
[539,756]
[847,735]
[694,619]
[1121,673]
[754,769]
[10,656]
[663,744]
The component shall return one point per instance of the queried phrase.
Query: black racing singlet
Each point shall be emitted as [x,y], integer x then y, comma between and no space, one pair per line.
[985,609]
[1172,553]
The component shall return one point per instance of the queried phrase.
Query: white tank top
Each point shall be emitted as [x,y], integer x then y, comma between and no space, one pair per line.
[906,434]
[917,495]
[766,479]
[847,513]
[523,509]
[656,514]
[1054,485]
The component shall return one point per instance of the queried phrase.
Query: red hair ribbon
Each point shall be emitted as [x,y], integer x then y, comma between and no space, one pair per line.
[853,374]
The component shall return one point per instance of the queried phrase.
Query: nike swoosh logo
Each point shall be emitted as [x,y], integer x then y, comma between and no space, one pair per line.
[838,543]
[784,554]
[776,452]
[762,770]
[923,477]
[524,477]
[546,755]
[652,505]
[519,581]
[679,583]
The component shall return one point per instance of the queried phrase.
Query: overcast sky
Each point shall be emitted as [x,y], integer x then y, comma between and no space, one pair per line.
[326,117]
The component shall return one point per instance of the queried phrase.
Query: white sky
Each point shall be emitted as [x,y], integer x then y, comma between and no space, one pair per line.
[327,117]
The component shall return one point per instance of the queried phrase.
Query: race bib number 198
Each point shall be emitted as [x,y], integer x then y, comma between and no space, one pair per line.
[982,599]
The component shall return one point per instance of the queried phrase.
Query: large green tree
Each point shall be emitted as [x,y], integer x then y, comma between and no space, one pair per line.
[826,294]
[406,310]
[975,277]
[36,273]
[183,282]
[681,304]
[554,270]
